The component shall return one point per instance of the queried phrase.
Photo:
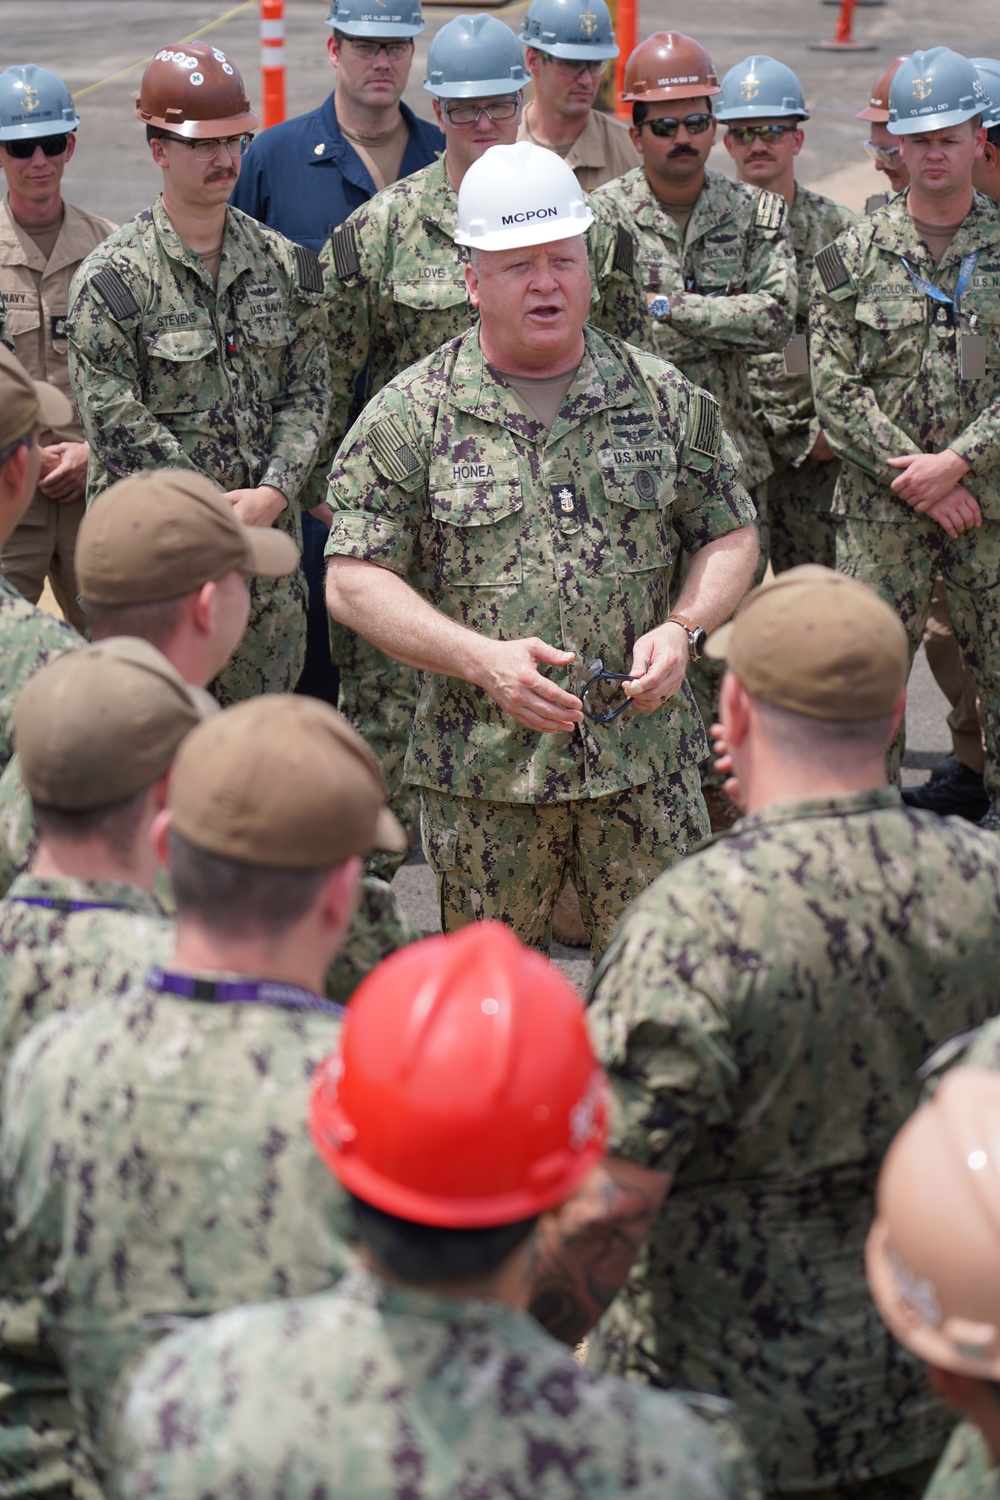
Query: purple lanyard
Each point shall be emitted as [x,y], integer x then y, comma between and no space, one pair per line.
[62,904]
[240,992]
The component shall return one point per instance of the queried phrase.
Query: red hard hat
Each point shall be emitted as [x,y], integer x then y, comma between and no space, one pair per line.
[464,1092]
[878,102]
[194,90]
[669,65]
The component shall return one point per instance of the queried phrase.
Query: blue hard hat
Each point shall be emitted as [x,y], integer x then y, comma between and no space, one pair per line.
[473,56]
[989,75]
[575,29]
[363,18]
[933,91]
[34,102]
[760,88]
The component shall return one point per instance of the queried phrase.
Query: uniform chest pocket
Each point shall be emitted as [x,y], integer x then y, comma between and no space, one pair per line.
[892,333]
[639,489]
[476,508]
[656,273]
[22,320]
[719,273]
[426,294]
[174,378]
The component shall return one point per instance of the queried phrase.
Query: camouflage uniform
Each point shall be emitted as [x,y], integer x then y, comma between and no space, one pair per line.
[395,291]
[800,490]
[967,1470]
[156,1167]
[513,530]
[233,381]
[29,637]
[886,382]
[732,287]
[380,1391]
[55,959]
[762,1012]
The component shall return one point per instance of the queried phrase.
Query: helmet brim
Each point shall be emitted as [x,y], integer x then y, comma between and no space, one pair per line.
[926,123]
[478,88]
[674,91]
[31,132]
[387,30]
[571,51]
[202,130]
[521,236]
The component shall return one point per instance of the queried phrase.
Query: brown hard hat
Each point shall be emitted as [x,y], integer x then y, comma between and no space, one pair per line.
[933,1253]
[194,90]
[669,65]
[878,104]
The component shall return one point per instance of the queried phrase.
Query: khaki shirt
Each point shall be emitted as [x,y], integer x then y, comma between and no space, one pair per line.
[602,151]
[36,295]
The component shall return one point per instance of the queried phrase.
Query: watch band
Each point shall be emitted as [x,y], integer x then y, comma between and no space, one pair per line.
[689,625]
[695,634]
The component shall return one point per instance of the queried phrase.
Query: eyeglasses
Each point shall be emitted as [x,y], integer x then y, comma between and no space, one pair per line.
[394,51]
[52,145]
[599,689]
[498,111]
[667,128]
[748,133]
[888,156]
[236,145]
[572,67]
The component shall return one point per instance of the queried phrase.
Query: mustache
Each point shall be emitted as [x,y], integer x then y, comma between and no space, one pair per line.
[682,151]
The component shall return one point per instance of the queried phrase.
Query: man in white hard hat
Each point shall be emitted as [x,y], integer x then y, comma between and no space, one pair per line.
[504,521]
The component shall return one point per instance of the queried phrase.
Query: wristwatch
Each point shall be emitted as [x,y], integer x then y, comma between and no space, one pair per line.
[659,308]
[695,634]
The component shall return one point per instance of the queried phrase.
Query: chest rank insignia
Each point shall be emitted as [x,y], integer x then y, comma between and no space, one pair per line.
[588,22]
[31,100]
[770,211]
[564,498]
[922,88]
[750,87]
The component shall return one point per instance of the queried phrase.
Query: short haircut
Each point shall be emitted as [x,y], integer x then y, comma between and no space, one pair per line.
[993,136]
[422,1252]
[116,824]
[27,441]
[824,743]
[157,133]
[155,622]
[237,899]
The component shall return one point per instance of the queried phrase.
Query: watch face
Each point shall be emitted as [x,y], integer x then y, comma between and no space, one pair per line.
[659,307]
[698,638]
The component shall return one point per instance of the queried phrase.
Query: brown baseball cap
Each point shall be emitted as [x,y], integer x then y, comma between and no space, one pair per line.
[284,782]
[818,643]
[163,533]
[97,725]
[26,403]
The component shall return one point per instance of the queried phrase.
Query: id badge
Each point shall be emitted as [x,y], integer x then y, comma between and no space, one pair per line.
[797,355]
[972,356]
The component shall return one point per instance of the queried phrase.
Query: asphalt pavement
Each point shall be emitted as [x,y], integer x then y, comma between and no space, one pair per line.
[98,48]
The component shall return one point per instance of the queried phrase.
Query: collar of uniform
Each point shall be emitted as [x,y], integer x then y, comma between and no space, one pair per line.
[236,258]
[599,383]
[67,888]
[371,1290]
[893,230]
[881,799]
[719,201]
[439,201]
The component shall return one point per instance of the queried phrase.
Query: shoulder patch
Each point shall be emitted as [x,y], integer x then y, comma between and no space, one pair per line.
[624,258]
[875,201]
[346,257]
[830,265]
[771,209]
[308,269]
[390,448]
[113,290]
[704,430]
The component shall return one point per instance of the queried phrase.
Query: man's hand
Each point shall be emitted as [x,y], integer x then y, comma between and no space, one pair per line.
[259,507]
[821,452]
[323,513]
[659,661]
[509,673]
[927,477]
[957,512]
[724,764]
[64,470]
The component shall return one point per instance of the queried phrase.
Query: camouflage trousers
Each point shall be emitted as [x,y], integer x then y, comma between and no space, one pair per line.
[902,563]
[802,529]
[270,657]
[378,696]
[948,669]
[43,545]
[506,861]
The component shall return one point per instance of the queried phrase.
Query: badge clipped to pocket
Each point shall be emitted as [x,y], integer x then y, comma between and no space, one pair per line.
[797,355]
[972,356]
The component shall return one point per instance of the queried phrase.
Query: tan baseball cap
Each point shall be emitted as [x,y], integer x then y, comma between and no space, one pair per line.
[97,725]
[163,533]
[818,643]
[284,782]
[25,403]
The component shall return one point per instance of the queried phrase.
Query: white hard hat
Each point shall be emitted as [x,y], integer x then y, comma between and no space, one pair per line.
[519,195]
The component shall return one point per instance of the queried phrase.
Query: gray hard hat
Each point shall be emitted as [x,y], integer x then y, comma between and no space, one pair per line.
[989,74]
[34,102]
[760,88]
[933,91]
[575,29]
[473,56]
[362,18]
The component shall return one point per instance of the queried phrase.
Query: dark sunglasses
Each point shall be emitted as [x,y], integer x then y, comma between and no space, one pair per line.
[748,133]
[667,128]
[52,145]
